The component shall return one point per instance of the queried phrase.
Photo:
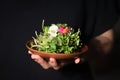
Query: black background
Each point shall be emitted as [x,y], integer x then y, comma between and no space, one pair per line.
[18,21]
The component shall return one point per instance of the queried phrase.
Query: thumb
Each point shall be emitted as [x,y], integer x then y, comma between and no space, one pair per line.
[77,60]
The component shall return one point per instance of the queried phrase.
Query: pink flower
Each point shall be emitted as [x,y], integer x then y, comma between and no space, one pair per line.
[64,30]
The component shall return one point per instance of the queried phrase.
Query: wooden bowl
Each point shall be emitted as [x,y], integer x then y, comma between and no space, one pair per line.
[61,57]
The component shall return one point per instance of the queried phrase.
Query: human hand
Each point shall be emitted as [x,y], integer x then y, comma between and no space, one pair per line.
[52,63]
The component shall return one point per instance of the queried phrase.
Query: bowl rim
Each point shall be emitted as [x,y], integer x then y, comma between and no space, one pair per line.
[48,54]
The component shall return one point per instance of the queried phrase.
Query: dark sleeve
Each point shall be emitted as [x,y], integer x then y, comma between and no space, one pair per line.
[101,15]
[107,16]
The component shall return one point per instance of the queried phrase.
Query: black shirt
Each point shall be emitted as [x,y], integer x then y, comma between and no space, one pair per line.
[93,17]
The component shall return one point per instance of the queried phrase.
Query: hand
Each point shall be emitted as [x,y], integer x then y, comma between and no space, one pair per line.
[52,63]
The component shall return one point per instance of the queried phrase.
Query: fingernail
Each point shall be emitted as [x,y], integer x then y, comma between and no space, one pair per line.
[33,56]
[51,60]
[77,61]
[29,52]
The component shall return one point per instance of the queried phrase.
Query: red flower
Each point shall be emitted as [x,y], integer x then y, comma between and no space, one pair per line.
[64,30]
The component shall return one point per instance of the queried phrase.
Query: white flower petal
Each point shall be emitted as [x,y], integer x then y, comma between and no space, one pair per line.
[53,30]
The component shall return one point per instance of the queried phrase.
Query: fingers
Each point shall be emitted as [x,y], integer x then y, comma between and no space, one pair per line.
[54,64]
[40,61]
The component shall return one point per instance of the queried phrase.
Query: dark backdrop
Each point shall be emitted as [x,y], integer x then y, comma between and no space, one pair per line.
[18,21]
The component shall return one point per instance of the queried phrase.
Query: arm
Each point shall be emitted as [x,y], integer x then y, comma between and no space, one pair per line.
[100,48]
[102,43]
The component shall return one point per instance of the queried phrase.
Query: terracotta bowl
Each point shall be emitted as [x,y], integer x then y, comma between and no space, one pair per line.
[58,56]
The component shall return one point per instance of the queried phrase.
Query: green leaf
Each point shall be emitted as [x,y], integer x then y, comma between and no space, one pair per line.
[45,29]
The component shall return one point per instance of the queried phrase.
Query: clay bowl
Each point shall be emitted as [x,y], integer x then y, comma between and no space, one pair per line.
[60,57]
